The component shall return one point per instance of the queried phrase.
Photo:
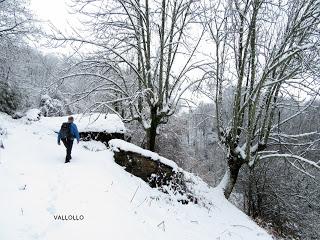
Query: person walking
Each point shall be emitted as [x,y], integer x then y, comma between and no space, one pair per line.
[67,134]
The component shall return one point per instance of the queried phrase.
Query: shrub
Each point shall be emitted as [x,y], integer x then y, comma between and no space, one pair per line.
[10,98]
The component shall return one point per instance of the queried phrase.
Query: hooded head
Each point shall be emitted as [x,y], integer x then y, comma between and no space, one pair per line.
[70,119]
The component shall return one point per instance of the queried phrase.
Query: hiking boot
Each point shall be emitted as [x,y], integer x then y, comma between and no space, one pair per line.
[67,160]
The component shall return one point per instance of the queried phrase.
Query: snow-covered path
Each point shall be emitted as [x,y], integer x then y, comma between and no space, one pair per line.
[36,185]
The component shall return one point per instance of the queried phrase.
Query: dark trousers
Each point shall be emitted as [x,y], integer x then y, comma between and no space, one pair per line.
[68,144]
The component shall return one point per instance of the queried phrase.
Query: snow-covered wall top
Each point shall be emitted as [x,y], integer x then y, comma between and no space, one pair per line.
[117,144]
[95,122]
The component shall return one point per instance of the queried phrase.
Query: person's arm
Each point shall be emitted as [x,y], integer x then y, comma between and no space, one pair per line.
[76,132]
[59,137]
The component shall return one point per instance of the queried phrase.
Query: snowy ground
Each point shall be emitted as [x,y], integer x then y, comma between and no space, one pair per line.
[36,185]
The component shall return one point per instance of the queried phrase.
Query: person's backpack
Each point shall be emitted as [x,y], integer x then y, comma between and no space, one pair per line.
[65,130]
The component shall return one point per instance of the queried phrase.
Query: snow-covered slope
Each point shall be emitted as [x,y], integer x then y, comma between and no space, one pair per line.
[36,186]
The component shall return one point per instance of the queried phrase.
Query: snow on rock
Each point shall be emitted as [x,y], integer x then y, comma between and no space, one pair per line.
[94,146]
[116,144]
[95,122]
[36,186]
[18,115]
[150,168]
[33,114]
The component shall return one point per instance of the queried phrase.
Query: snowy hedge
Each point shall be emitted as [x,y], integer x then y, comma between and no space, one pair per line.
[51,106]
[10,98]
[33,114]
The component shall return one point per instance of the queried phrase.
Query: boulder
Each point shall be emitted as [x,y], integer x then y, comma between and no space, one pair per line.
[157,171]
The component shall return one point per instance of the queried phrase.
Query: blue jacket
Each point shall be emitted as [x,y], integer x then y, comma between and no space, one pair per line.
[74,132]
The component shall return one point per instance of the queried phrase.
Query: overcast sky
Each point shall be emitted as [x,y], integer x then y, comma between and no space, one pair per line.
[55,11]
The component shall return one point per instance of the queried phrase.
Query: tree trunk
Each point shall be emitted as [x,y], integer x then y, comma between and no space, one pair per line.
[231,175]
[151,138]
[251,205]
[152,131]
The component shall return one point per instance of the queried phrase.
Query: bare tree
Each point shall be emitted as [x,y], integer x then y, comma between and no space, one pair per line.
[266,50]
[14,18]
[15,24]
[145,54]
[281,192]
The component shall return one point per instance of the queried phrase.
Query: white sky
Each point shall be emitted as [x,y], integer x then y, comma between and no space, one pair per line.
[55,11]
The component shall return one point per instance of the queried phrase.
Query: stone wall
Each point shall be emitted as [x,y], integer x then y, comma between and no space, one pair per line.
[103,137]
[155,173]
